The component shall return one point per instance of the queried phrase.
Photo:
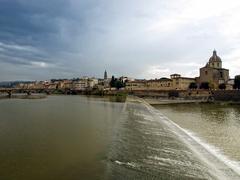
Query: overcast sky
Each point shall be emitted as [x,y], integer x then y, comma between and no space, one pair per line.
[43,39]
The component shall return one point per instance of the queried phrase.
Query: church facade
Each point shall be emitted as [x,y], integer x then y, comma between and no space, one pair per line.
[213,73]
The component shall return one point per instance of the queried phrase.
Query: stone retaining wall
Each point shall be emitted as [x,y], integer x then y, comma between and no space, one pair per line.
[226,95]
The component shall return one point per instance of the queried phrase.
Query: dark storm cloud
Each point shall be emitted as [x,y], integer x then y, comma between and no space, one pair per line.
[30,22]
[139,38]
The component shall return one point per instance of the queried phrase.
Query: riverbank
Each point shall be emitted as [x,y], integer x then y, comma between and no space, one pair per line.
[23,96]
[119,96]
[156,101]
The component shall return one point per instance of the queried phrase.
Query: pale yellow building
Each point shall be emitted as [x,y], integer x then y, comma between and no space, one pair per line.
[136,85]
[160,84]
[68,84]
[181,83]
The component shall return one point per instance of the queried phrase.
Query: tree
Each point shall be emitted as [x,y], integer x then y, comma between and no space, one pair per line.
[204,85]
[119,84]
[222,86]
[236,82]
[113,81]
[192,85]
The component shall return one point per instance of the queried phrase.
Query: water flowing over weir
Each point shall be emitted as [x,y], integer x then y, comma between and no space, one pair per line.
[147,145]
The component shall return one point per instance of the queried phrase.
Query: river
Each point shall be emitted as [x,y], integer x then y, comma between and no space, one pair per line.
[78,137]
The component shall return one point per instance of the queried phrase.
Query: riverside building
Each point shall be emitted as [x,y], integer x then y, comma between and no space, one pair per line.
[213,73]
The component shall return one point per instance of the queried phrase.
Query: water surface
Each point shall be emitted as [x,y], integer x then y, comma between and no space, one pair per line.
[216,124]
[78,137]
[61,137]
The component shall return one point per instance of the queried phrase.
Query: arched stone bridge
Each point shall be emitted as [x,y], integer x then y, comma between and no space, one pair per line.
[10,91]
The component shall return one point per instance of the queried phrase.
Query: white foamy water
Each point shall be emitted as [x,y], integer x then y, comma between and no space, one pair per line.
[222,166]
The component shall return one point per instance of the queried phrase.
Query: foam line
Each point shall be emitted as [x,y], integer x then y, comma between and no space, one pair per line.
[190,139]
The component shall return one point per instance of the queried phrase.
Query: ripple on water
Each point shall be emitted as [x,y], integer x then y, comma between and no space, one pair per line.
[150,150]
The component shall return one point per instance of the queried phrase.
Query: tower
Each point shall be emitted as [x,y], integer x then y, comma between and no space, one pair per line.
[106,83]
[213,73]
[215,61]
[105,75]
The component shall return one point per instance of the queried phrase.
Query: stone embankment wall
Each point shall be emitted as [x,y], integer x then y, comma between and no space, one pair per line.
[226,95]
[195,94]
[212,95]
[186,94]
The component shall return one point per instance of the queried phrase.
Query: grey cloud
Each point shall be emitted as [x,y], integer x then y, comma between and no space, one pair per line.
[85,37]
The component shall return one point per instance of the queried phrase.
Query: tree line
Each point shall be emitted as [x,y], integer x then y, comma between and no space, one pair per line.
[117,83]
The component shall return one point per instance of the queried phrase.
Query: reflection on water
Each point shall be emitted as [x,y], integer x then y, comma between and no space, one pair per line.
[61,137]
[77,137]
[218,125]
[145,148]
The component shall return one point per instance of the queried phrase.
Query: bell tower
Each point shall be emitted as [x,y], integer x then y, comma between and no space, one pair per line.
[105,75]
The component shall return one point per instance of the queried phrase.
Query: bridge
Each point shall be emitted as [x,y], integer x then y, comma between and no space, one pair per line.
[10,91]
[29,91]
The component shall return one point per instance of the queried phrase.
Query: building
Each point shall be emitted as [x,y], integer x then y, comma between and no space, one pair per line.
[136,85]
[230,84]
[213,73]
[39,85]
[81,84]
[176,82]
[92,82]
[84,84]
[160,84]
[106,81]
[105,75]
[67,84]
[26,85]
[181,83]
[52,85]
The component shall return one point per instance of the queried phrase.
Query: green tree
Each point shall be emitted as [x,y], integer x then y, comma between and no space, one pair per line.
[236,82]
[192,85]
[204,85]
[113,81]
[222,86]
[119,84]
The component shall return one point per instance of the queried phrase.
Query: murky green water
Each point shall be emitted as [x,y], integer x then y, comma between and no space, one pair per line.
[217,125]
[61,137]
[76,137]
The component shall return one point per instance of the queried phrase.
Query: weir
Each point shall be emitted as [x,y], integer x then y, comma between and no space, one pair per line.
[148,145]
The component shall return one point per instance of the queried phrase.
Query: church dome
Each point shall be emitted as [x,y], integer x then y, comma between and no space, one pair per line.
[214,57]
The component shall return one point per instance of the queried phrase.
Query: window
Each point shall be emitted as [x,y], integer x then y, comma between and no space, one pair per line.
[218,64]
[221,74]
[206,73]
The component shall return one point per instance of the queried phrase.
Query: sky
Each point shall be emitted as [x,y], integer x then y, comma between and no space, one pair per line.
[46,39]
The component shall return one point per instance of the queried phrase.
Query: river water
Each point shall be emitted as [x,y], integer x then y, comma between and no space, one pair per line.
[77,137]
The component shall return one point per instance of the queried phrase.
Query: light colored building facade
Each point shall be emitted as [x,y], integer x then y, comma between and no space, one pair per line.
[68,84]
[181,83]
[92,82]
[175,83]
[159,84]
[230,84]
[84,84]
[53,85]
[136,85]
[213,73]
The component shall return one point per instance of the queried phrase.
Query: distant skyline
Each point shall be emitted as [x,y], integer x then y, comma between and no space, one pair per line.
[45,39]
